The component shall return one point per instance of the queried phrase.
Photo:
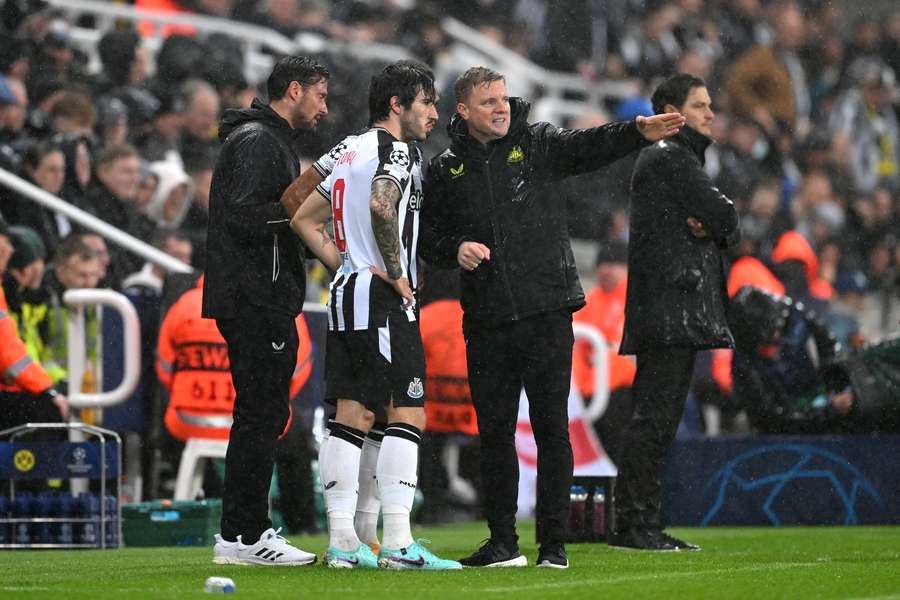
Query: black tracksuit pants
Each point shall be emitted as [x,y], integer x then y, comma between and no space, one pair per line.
[262,348]
[660,390]
[535,352]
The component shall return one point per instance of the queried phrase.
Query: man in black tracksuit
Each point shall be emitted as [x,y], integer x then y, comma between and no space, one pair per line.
[490,208]
[254,288]
[675,304]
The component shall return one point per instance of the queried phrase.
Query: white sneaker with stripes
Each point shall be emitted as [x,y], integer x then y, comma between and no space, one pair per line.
[270,549]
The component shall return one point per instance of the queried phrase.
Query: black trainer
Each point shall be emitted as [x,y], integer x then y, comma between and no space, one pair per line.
[553,556]
[642,539]
[495,554]
[679,544]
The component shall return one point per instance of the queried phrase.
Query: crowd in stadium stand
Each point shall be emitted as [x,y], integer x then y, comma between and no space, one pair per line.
[808,142]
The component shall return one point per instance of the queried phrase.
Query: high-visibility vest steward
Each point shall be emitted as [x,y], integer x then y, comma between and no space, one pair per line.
[448,400]
[192,362]
[18,371]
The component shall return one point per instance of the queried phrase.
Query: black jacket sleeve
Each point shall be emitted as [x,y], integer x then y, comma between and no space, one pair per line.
[439,243]
[703,200]
[254,211]
[568,152]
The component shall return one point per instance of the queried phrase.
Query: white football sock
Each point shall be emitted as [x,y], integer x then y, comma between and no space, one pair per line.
[369,504]
[396,476]
[339,472]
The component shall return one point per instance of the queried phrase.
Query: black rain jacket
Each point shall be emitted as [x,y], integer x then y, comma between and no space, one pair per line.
[505,195]
[252,255]
[676,282]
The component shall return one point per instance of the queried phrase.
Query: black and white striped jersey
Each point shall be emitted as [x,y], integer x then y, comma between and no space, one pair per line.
[359,299]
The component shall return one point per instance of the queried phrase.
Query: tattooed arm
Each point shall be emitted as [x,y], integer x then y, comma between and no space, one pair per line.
[383,206]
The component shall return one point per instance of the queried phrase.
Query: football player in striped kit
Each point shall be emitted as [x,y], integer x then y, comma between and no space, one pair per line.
[372,188]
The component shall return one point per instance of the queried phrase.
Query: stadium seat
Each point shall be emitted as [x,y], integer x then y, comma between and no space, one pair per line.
[189,481]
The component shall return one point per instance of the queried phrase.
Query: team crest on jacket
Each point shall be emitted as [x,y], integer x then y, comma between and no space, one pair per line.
[515,155]
[416,389]
[457,172]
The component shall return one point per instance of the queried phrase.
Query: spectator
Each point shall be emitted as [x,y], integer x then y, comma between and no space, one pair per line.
[866,140]
[161,140]
[77,152]
[843,318]
[96,243]
[201,118]
[44,166]
[768,84]
[651,49]
[74,113]
[170,202]
[13,112]
[112,121]
[125,62]
[739,168]
[196,221]
[75,266]
[112,196]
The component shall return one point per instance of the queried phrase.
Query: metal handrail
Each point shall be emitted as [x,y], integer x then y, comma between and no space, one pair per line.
[131,349]
[255,37]
[253,34]
[89,221]
[551,83]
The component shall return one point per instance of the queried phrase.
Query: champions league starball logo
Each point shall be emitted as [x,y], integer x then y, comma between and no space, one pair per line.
[337,151]
[778,477]
[398,157]
[79,464]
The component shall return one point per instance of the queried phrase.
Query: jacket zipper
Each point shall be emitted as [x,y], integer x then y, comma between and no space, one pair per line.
[276,264]
[495,226]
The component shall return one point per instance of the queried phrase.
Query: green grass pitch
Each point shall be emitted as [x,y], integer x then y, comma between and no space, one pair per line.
[847,562]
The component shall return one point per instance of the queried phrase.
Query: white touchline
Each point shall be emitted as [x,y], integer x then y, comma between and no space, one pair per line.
[582,582]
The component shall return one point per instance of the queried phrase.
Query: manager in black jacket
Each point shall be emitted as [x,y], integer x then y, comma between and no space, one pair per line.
[491,208]
[254,288]
[675,303]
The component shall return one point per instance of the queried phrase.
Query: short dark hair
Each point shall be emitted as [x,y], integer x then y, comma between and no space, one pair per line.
[404,79]
[302,69]
[73,245]
[475,76]
[674,91]
[37,151]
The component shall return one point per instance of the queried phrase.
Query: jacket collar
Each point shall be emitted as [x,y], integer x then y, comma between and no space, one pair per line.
[695,141]
[258,111]
[463,143]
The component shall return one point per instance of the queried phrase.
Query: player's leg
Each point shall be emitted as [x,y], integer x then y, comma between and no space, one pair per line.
[368,505]
[341,454]
[402,356]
